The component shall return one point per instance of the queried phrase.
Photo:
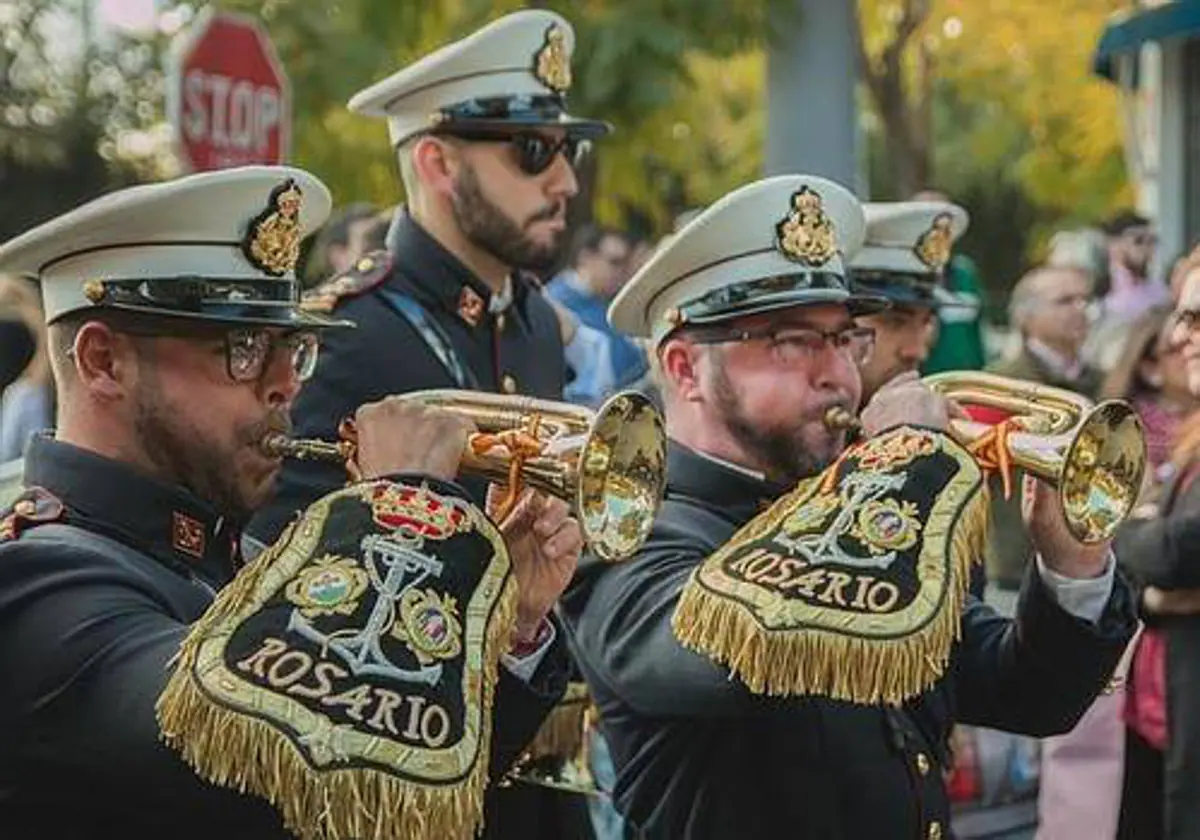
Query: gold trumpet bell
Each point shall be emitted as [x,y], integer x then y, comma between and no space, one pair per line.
[1103,470]
[622,475]
[610,463]
[1094,455]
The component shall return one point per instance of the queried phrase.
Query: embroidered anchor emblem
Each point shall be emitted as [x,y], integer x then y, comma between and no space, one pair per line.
[857,490]
[404,567]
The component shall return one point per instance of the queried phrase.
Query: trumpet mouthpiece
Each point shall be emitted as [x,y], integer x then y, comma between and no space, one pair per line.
[839,418]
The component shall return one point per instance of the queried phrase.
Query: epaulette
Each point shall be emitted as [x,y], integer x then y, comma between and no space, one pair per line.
[368,272]
[35,506]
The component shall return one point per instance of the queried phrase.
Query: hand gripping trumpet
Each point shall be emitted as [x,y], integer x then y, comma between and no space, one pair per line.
[609,464]
[1094,455]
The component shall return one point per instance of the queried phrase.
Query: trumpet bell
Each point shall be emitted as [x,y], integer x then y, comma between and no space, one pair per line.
[622,477]
[610,464]
[1094,455]
[1102,471]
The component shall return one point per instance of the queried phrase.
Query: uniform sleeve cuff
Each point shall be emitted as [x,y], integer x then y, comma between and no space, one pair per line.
[1084,599]
[523,661]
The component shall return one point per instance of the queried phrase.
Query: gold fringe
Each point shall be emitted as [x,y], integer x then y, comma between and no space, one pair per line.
[562,733]
[241,752]
[858,670]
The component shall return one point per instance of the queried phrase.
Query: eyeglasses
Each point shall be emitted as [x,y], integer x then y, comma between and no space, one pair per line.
[249,352]
[796,345]
[535,151]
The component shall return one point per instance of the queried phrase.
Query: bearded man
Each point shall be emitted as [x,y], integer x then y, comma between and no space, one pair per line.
[787,653]
[487,154]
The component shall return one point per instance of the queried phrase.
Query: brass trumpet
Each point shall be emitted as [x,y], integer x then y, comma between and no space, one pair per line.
[610,464]
[1094,455]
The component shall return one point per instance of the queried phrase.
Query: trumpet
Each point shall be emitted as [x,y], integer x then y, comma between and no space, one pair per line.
[1093,454]
[610,464]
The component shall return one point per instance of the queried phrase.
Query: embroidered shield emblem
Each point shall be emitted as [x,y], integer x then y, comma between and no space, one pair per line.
[851,586]
[347,674]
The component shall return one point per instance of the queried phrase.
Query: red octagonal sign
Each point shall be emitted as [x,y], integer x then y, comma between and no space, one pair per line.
[228,97]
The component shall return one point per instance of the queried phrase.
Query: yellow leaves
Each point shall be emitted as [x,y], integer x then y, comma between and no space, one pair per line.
[709,137]
[1022,70]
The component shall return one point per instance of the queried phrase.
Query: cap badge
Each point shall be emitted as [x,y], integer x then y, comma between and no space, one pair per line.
[552,65]
[933,247]
[806,234]
[94,290]
[272,241]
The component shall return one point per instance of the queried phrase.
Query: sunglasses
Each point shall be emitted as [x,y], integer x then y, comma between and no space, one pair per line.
[535,152]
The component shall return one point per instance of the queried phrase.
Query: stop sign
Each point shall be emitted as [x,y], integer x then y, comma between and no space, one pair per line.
[228,97]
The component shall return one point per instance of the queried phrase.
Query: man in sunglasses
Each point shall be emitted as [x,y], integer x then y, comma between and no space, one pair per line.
[793,642]
[907,247]
[487,153]
[358,680]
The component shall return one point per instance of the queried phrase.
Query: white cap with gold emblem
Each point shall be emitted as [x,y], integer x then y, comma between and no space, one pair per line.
[907,247]
[772,244]
[515,72]
[218,246]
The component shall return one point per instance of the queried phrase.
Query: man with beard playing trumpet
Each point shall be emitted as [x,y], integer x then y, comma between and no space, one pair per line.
[784,657]
[155,686]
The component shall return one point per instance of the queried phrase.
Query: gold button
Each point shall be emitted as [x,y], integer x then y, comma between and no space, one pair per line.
[508,384]
[366,264]
[25,507]
[935,830]
[923,764]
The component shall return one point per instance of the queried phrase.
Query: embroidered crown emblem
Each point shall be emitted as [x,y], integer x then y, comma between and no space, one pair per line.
[933,246]
[272,241]
[806,234]
[552,65]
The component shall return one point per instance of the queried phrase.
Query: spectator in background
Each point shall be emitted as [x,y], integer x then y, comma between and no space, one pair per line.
[342,240]
[27,402]
[959,341]
[1086,250]
[1152,375]
[1131,247]
[1159,552]
[1048,309]
[1082,770]
[598,268]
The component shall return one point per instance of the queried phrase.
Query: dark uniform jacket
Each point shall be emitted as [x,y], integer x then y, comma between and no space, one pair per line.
[516,351]
[99,579]
[699,756]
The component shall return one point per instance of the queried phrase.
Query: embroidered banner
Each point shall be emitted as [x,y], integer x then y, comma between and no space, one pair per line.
[347,674]
[851,586]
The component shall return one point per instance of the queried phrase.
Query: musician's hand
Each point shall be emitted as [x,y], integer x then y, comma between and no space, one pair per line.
[400,436]
[1052,540]
[544,542]
[905,400]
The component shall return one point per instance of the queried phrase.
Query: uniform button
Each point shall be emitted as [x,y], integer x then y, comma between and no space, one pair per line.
[509,384]
[923,764]
[365,264]
[935,830]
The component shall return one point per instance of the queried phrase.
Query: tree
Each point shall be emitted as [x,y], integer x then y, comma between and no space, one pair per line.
[67,111]
[902,100]
[635,66]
